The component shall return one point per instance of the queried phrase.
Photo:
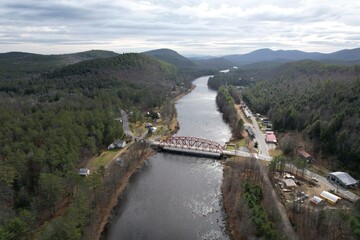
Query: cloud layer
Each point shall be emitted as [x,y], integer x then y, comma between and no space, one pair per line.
[188,26]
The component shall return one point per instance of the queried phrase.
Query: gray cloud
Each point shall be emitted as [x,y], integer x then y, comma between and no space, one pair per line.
[189,26]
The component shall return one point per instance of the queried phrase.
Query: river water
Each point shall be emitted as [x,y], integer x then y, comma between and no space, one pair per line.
[178,196]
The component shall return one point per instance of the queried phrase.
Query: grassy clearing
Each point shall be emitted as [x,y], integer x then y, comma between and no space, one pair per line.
[239,143]
[275,152]
[103,159]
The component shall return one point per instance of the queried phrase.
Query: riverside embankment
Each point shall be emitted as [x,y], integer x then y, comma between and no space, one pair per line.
[175,196]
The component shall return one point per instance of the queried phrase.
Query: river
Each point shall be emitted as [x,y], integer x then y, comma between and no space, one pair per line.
[177,196]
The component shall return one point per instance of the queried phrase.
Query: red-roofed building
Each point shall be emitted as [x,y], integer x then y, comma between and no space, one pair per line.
[270,137]
[305,155]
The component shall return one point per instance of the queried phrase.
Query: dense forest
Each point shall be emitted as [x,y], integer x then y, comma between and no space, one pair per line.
[52,121]
[225,99]
[321,101]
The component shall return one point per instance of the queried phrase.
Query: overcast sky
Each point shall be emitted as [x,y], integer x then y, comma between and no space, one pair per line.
[188,26]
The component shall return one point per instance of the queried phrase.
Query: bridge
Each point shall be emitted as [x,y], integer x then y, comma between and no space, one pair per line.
[200,146]
[190,145]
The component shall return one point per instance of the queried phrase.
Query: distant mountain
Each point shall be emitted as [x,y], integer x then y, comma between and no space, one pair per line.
[171,56]
[265,55]
[343,55]
[213,63]
[268,55]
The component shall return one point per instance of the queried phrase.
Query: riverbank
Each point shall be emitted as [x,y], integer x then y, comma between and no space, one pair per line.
[102,214]
[106,212]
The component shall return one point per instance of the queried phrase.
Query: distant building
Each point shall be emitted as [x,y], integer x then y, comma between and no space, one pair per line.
[303,154]
[270,137]
[84,172]
[343,179]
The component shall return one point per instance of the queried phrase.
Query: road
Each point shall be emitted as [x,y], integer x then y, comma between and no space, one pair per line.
[125,123]
[259,136]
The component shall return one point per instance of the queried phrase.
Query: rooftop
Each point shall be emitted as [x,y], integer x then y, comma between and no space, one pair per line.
[270,137]
[345,178]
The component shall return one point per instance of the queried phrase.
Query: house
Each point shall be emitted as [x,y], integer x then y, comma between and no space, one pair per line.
[246,112]
[118,143]
[250,131]
[289,183]
[303,154]
[84,172]
[343,179]
[270,137]
[329,197]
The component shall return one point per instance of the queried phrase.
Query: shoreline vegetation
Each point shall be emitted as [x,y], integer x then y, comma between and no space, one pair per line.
[105,214]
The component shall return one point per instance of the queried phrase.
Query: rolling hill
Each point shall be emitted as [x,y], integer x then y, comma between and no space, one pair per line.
[19,64]
[171,56]
[267,55]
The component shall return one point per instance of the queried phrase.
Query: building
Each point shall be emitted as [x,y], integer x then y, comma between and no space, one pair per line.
[289,183]
[303,154]
[246,111]
[270,137]
[84,172]
[118,143]
[343,179]
[329,197]
[250,131]
[315,200]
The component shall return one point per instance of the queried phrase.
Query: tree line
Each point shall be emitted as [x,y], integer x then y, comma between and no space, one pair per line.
[322,101]
[52,123]
[225,99]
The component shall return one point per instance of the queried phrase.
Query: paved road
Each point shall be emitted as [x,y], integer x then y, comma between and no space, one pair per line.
[259,136]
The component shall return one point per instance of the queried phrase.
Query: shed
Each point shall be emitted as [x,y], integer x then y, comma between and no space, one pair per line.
[329,197]
[289,183]
[84,172]
[343,179]
[316,200]
[305,155]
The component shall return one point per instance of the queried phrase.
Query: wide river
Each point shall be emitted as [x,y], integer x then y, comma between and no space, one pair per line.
[177,196]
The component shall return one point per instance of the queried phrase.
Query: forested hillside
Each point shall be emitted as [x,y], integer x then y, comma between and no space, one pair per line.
[19,64]
[52,123]
[321,100]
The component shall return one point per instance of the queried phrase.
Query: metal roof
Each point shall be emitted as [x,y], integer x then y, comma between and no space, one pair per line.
[330,197]
[345,178]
